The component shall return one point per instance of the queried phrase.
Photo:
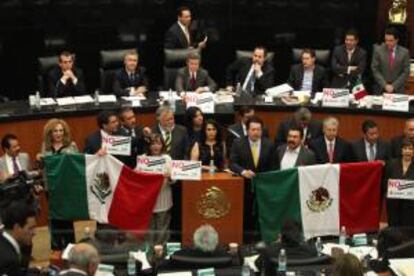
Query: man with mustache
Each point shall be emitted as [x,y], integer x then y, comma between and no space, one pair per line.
[293,153]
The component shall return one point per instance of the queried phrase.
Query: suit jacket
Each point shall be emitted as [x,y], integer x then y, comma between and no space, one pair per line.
[395,146]
[24,161]
[58,89]
[138,145]
[398,75]
[342,150]
[182,82]
[305,158]
[314,131]
[236,131]
[179,143]
[241,157]
[319,80]
[340,63]
[400,212]
[176,39]
[122,81]
[9,261]
[360,153]
[241,69]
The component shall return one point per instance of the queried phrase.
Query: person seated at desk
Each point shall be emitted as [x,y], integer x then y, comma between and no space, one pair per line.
[330,148]
[308,76]
[312,129]
[65,79]
[130,80]
[370,147]
[390,64]
[210,150]
[193,77]
[83,260]
[14,161]
[347,264]
[294,153]
[255,75]
[194,122]
[348,61]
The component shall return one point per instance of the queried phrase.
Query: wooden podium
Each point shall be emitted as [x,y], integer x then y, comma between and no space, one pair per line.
[217,200]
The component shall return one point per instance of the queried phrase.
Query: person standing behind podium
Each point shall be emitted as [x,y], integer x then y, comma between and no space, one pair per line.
[65,79]
[330,148]
[255,75]
[130,80]
[181,35]
[400,211]
[308,76]
[370,147]
[194,122]
[348,61]
[249,155]
[193,77]
[390,64]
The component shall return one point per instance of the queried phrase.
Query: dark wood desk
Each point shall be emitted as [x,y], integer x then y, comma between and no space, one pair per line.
[410,85]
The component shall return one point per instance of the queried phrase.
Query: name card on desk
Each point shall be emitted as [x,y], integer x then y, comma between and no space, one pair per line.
[332,97]
[401,189]
[117,145]
[185,170]
[154,164]
[395,102]
[204,101]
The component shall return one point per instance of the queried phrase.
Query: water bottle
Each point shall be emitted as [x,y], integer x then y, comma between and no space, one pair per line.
[342,236]
[171,100]
[238,90]
[282,260]
[96,97]
[131,265]
[245,269]
[37,100]
[212,168]
[319,245]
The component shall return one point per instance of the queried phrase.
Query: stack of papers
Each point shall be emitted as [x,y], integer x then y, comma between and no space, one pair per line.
[84,99]
[279,90]
[165,95]
[402,267]
[65,101]
[47,101]
[107,99]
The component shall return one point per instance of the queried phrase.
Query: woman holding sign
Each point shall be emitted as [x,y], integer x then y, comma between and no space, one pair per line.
[57,140]
[157,161]
[211,149]
[399,173]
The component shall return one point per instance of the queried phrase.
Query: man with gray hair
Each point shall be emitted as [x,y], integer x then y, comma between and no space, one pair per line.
[83,260]
[194,78]
[205,238]
[302,118]
[330,148]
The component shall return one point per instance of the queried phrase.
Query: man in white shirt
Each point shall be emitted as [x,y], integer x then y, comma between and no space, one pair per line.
[83,260]
[13,161]
[293,153]
[19,220]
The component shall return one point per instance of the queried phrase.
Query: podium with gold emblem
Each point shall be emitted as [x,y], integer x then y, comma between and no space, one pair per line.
[217,200]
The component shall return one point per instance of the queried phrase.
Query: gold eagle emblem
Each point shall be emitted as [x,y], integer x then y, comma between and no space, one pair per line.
[213,203]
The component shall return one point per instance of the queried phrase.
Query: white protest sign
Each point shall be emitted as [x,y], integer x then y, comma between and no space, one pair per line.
[185,170]
[332,97]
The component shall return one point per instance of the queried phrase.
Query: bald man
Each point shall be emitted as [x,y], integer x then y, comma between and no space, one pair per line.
[83,260]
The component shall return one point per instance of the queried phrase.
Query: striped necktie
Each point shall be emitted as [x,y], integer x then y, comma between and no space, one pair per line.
[167,142]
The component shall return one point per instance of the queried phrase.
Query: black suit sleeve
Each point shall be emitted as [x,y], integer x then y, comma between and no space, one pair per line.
[267,80]
[236,157]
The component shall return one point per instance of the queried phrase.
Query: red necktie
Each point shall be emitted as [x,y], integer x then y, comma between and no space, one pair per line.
[15,166]
[391,58]
[193,82]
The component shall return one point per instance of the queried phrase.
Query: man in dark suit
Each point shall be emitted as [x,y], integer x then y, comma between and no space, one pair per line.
[108,125]
[254,76]
[293,153]
[390,64]
[308,76]
[182,35]
[130,80]
[348,61]
[370,147]
[138,134]
[330,148]
[176,145]
[19,220]
[249,155]
[312,129]
[397,141]
[193,77]
[83,260]
[65,80]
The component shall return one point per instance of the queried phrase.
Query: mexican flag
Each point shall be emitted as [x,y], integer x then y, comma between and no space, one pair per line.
[358,90]
[321,197]
[102,189]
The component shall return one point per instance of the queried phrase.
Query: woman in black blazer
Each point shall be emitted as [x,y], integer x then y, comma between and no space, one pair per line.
[400,211]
